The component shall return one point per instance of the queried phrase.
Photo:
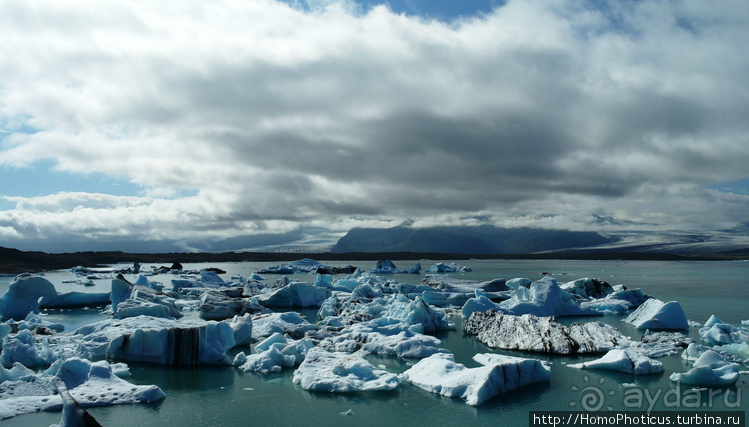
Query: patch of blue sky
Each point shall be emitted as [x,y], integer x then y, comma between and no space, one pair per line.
[41,179]
[740,186]
[442,10]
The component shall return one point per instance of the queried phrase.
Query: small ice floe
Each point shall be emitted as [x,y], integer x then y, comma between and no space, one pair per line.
[339,372]
[709,370]
[623,360]
[542,334]
[349,412]
[656,314]
[440,374]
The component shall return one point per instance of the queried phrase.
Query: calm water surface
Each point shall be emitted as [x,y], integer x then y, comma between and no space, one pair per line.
[222,396]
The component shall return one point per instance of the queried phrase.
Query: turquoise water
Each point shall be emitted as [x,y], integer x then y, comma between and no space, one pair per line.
[219,396]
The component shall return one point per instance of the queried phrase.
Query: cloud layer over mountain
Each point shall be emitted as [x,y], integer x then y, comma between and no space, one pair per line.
[240,118]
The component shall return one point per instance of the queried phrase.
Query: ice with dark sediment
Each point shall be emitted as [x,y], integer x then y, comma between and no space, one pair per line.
[216,305]
[542,334]
[157,340]
[386,266]
[440,374]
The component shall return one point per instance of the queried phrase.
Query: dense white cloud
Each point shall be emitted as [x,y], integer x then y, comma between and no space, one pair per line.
[271,118]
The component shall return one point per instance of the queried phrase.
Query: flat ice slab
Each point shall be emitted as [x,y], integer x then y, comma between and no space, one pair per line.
[338,372]
[623,360]
[440,374]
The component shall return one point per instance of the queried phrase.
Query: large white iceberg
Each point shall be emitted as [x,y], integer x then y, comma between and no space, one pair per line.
[339,372]
[23,296]
[130,300]
[542,334]
[623,360]
[440,374]
[265,325]
[89,383]
[656,314]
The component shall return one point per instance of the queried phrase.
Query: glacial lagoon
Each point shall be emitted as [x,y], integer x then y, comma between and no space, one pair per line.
[225,395]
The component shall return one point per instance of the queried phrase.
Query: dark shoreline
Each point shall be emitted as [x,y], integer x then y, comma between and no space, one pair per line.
[13,261]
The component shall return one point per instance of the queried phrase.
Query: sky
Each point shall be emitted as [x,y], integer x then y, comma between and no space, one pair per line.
[184,125]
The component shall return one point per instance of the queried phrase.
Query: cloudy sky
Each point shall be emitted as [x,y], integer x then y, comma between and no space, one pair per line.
[235,124]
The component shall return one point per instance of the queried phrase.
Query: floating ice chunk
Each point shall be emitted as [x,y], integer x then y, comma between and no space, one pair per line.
[275,353]
[607,305]
[710,370]
[265,325]
[480,303]
[440,374]
[15,373]
[587,287]
[386,266]
[216,305]
[23,296]
[296,294]
[543,298]
[90,384]
[385,336]
[34,321]
[656,314]
[69,300]
[341,373]
[693,352]
[623,360]
[19,348]
[633,297]
[130,300]
[542,334]
[716,332]
[418,312]
[157,340]
[242,327]
[661,344]
[452,267]
[305,265]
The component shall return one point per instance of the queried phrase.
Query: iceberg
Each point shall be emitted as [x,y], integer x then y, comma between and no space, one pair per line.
[158,340]
[89,383]
[544,298]
[440,374]
[710,370]
[623,360]
[274,353]
[338,372]
[588,288]
[716,332]
[656,314]
[19,348]
[296,294]
[23,296]
[73,299]
[130,300]
[386,266]
[542,334]
[265,325]
[442,267]
[216,305]
[384,336]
